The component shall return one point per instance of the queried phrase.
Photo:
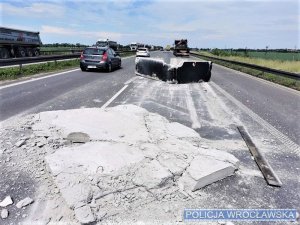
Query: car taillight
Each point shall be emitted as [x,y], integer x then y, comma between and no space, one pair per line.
[104,57]
[81,56]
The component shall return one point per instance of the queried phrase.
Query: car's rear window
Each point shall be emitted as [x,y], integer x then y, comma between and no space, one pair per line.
[93,51]
[142,49]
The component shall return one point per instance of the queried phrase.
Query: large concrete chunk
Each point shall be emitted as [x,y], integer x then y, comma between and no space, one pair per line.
[204,171]
[127,157]
[94,157]
[151,175]
[97,124]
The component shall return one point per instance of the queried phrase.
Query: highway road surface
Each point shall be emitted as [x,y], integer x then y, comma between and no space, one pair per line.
[269,112]
[276,105]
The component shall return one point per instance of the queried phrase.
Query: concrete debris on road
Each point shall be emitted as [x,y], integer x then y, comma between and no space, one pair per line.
[126,157]
[4,213]
[7,201]
[78,137]
[26,201]
[20,143]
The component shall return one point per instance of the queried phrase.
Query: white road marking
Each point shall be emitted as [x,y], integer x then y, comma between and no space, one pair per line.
[294,147]
[35,79]
[192,109]
[114,97]
[41,78]
[131,80]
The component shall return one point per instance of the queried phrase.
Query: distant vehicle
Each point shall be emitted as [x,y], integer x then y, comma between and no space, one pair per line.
[18,43]
[181,48]
[99,58]
[142,52]
[168,47]
[133,46]
[107,43]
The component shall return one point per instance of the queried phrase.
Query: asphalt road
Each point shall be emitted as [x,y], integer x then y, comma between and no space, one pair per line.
[269,113]
[277,105]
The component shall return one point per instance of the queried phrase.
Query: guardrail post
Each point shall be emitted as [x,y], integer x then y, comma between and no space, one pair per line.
[21,68]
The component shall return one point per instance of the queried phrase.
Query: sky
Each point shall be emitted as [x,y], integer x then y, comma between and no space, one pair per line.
[205,23]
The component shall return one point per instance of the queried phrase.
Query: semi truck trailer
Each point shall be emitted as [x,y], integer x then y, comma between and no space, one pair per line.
[18,43]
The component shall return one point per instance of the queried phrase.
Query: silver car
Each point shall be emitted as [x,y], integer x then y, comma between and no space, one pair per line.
[99,58]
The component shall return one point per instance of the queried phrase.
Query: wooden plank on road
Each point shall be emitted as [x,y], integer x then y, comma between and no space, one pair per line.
[264,166]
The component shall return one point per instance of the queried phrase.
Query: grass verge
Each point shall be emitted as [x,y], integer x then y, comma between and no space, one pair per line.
[289,66]
[285,81]
[11,73]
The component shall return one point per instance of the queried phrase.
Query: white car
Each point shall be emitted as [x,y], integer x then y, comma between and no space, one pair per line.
[142,52]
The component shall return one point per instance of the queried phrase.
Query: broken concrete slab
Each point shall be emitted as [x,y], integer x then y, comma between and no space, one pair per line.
[24,202]
[84,214]
[20,143]
[98,128]
[133,157]
[151,175]
[204,171]
[4,213]
[6,201]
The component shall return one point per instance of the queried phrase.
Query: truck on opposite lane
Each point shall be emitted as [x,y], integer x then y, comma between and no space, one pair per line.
[19,43]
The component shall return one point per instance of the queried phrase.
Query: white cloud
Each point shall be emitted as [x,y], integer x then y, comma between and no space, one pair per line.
[53,30]
[35,9]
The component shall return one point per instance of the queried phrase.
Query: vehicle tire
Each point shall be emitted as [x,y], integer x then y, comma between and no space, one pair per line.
[36,52]
[21,52]
[120,65]
[109,68]
[4,53]
[83,68]
[29,52]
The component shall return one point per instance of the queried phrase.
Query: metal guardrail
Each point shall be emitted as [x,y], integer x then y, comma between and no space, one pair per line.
[27,60]
[252,66]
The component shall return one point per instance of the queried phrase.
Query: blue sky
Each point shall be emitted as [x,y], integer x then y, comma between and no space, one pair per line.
[205,23]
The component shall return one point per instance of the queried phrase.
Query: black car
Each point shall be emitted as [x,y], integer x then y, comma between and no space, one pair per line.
[99,58]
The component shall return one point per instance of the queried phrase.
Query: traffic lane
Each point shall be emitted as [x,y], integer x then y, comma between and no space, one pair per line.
[278,106]
[19,98]
[218,130]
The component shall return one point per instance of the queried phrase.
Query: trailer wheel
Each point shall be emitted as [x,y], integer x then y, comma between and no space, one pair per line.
[21,52]
[29,52]
[36,52]
[4,53]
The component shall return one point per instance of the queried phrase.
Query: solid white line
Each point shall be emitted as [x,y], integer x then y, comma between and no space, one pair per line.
[294,147]
[35,79]
[192,109]
[114,97]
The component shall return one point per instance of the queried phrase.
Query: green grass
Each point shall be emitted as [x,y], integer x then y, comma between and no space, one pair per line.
[28,70]
[288,82]
[290,66]
[283,56]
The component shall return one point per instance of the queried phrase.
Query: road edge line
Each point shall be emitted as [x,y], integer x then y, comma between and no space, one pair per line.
[294,147]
